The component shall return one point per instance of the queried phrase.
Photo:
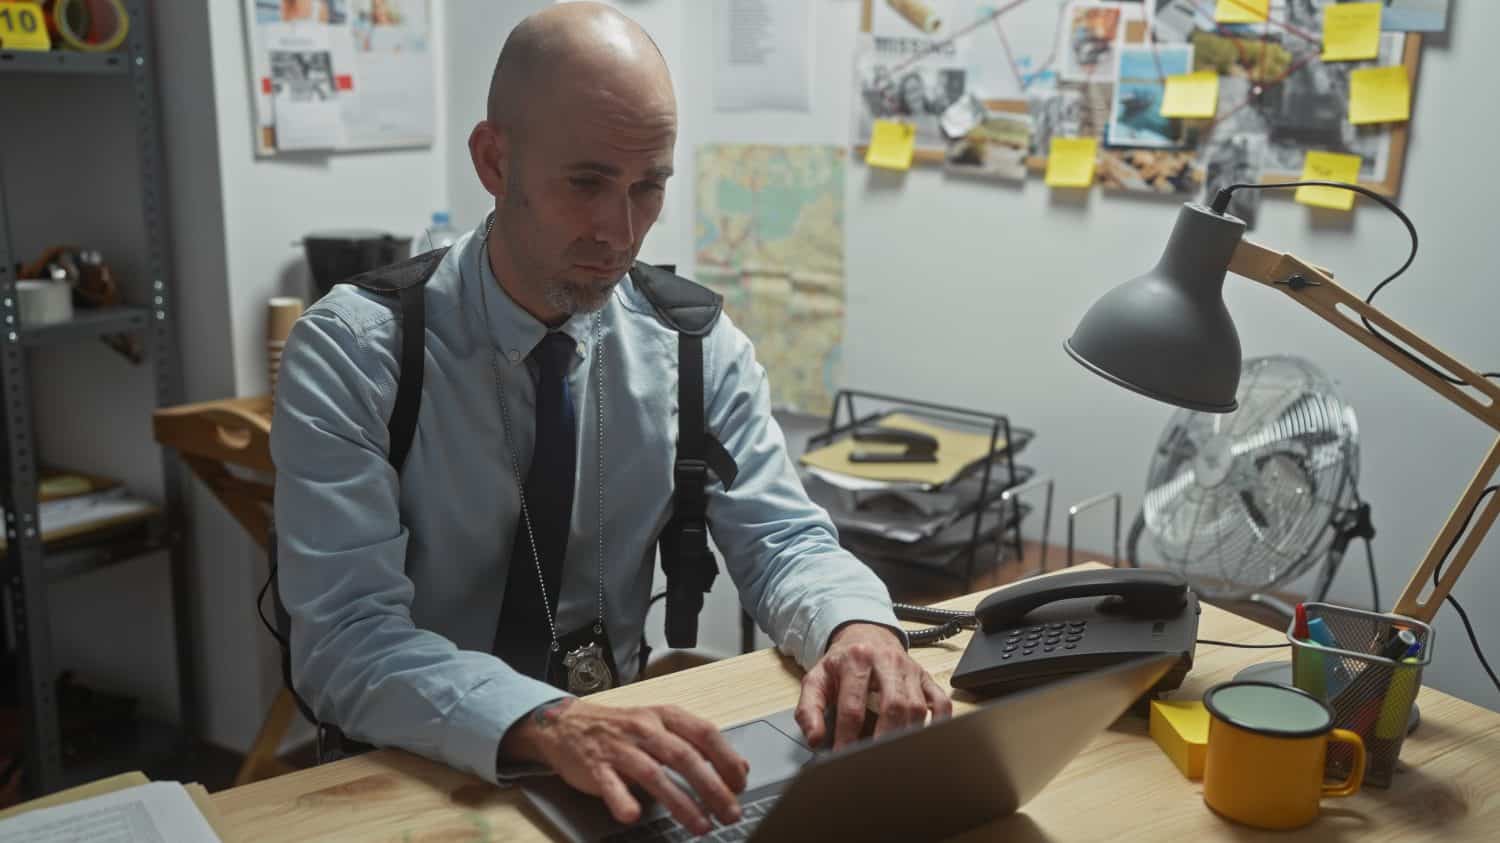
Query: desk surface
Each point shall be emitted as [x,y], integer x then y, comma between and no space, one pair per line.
[1121,787]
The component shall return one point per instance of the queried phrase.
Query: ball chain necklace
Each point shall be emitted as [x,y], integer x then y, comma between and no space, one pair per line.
[590,665]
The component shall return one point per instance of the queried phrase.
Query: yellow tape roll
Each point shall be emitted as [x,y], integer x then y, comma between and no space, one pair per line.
[68,14]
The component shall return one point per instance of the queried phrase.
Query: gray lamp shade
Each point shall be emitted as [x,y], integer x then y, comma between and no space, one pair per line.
[1167,334]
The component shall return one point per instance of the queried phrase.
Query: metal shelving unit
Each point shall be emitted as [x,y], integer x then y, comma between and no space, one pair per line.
[29,565]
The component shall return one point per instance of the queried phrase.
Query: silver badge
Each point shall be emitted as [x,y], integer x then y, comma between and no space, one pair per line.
[588,672]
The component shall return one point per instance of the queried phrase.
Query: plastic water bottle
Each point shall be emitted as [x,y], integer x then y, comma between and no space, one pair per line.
[441,233]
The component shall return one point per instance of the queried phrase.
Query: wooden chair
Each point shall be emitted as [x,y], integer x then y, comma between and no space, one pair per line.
[227,444]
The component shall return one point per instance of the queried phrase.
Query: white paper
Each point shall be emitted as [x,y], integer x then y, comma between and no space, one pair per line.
[762,60]
[158,812]
[382,84]
[303,88]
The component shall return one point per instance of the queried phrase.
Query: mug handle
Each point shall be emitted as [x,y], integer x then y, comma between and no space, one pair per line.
[1349,786]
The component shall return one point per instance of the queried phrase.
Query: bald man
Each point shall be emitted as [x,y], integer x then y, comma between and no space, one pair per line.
[430,608]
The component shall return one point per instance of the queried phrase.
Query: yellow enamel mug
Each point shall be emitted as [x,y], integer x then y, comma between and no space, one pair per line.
[1266,749]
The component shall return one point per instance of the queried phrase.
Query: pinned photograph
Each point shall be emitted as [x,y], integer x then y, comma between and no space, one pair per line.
[1415,16]
[918,95]
[1071,110]
[1235,159]
[1136,118]
[1162,172]
[994,149]
[1091,34]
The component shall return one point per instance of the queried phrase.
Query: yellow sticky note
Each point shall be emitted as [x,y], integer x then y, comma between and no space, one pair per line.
[1242,11]
[1191,95]
[891,145]
[1329,166]
[23,26]
[1351,31]
[1070,162]
[1379,95]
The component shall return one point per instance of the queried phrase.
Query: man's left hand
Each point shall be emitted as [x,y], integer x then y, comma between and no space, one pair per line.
[865,657]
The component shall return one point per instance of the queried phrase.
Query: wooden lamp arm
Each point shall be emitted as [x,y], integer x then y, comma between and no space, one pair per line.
[1315,289]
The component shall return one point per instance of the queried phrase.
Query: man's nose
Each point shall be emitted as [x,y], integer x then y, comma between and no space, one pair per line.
[615,225]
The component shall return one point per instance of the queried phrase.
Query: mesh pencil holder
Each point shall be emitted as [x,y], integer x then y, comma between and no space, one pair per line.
[1370,695]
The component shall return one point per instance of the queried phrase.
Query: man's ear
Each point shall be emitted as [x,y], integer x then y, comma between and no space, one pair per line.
[489,149]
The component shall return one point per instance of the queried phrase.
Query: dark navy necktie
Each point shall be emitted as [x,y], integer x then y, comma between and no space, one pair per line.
[523,637]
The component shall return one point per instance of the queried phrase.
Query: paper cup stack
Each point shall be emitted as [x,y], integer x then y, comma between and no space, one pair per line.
[281,314]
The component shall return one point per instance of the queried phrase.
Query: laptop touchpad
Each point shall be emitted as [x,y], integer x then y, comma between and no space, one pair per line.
[772,755]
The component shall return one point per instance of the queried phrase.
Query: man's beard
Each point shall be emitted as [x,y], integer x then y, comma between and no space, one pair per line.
[575,297]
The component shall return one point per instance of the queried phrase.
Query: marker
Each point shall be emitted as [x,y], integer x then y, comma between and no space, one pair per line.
[1396,647]
[1338,676]
[1299,623]
[1396,707]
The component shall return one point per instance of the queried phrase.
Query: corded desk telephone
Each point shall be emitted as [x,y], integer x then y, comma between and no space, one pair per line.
[1046,628]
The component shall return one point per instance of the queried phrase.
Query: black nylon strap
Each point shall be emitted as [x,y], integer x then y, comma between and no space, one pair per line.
[690,432]
[403,423]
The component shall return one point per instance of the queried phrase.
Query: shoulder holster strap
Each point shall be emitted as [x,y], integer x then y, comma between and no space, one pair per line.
[405,282]
[687,561]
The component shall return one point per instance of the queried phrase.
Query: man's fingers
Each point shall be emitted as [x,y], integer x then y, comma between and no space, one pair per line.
[899,706]
[853,690]
[622,806]
[813,705]
[937,699]
[645,771]
[683,757]
[731,766]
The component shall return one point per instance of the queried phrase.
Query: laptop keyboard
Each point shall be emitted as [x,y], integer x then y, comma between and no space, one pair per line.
[668,829]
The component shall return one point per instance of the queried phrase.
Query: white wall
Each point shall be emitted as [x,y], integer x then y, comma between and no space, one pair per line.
[963,292]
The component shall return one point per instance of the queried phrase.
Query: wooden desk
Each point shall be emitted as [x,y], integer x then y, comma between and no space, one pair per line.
[1121,787]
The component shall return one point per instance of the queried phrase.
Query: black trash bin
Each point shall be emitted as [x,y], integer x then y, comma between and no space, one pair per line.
[336,256]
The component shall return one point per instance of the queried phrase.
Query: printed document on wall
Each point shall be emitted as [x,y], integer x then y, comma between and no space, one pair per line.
[762,60]
[342,74]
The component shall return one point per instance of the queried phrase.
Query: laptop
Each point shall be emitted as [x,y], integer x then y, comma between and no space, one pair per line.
[922,783]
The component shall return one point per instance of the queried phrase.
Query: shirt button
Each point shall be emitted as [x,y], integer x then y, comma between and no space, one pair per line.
[514,355]
[580,350]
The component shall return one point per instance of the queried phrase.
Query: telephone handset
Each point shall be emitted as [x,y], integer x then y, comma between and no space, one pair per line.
[1045,628]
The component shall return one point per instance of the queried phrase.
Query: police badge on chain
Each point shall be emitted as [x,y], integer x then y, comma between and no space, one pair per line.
[584,662]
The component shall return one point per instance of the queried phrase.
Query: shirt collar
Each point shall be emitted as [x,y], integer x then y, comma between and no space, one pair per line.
[514,332]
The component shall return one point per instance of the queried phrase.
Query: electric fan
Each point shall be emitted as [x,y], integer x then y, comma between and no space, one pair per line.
[1241,502]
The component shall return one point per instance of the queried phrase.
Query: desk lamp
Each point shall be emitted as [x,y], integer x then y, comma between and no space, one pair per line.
[1168,336]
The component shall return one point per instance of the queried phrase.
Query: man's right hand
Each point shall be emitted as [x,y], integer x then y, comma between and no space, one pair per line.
[601,749]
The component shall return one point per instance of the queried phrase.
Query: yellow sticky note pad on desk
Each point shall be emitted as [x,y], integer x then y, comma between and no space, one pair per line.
[1379,95]
[1181,730]
[891,145]
[1329,166]
[1242,11]
[1191,95]
[1351,31]
[1070,162]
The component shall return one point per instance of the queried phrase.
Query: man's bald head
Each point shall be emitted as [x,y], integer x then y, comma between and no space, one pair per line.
[575,47]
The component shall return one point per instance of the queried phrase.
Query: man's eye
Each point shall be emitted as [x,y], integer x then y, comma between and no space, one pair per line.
[586,183]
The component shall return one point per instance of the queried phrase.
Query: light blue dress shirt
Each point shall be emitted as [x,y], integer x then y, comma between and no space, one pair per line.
[394,584]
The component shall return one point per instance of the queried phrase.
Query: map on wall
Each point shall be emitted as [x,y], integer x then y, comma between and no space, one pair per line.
[769,236]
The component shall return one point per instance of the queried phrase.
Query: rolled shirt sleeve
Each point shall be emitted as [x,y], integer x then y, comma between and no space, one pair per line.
[780,548]
[357,657]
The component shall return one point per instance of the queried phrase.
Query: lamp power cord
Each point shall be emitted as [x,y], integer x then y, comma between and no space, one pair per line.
[1221,204]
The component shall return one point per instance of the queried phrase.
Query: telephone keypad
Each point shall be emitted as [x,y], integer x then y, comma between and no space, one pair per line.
[1046,637]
